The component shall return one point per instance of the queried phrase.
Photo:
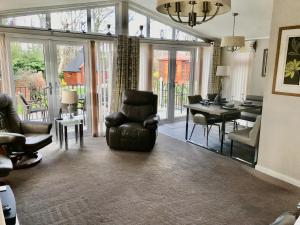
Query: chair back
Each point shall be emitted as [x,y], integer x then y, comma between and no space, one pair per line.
[194,99]
[138,105]
[254,133]
[9,119]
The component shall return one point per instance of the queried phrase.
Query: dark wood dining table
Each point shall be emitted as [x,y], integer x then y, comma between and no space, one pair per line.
[212,109]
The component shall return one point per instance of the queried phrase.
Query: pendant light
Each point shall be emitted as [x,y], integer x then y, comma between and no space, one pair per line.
[233,43]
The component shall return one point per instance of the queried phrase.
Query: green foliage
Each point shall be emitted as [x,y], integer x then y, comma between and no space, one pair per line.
[27,58]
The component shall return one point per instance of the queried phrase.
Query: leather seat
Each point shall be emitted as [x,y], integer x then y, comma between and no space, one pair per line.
[135,127]
[21,139]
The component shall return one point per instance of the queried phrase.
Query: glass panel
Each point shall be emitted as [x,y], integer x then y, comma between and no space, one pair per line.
[75,20]
[160,76]
[101,17]
[182,81]
[38,21]
[135,21]
[182,36]
[71,76]
[28,63]
[160,30]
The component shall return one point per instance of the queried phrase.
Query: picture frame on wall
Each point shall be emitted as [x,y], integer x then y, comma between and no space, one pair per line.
[265,62]
[287,66]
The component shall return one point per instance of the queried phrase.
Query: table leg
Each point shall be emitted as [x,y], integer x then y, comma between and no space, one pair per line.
[76,133]
[223,135]
[187,123]
[66,137]
[60,132]
[81,134]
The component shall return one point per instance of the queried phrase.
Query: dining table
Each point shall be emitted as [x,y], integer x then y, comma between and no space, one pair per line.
[226,114]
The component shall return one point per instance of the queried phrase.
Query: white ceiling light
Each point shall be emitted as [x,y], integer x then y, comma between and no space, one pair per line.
[186,12]
[233,43]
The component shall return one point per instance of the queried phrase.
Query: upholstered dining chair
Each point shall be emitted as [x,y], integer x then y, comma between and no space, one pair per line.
[205,120]
[248,136]
[21,139]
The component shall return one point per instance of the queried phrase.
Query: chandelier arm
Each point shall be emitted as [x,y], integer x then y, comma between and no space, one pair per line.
[213,16]
[178,16]
[172,18]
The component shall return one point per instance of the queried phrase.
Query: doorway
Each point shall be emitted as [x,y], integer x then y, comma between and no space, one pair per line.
[40,69]
[172,80]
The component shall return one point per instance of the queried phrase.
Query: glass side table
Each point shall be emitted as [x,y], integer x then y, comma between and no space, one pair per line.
[61,129]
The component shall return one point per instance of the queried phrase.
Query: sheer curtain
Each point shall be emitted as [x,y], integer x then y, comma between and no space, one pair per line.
[105,70]
[145,79]
[4,69]
[240,69]
[207,64]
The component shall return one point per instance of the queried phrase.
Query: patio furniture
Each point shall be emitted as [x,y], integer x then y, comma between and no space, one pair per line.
[135,127]
[32,107]
[248,136]
[21,139]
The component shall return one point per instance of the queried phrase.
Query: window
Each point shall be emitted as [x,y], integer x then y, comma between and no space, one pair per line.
[182,36]
[160,30]
[101,18]
[38,21]
[75,20]
[135,21]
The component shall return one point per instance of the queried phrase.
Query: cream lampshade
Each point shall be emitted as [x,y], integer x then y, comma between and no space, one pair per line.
[233,41]
[69,97]
[223,71]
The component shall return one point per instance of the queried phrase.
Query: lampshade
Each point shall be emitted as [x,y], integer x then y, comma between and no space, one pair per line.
[233,41]
[69,97]
[185,7]
[223,71]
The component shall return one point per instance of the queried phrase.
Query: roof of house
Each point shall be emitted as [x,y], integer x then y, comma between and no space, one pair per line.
[76,63]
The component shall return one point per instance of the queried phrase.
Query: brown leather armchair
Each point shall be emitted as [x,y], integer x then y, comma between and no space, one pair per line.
[21,139]
[135,127]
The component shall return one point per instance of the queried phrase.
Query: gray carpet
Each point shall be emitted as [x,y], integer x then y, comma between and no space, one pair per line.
[177,183]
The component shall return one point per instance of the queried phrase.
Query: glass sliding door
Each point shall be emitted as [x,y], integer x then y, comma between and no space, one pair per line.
[183,78]
[160,80]
[30,78]
[172,79]
[70,74]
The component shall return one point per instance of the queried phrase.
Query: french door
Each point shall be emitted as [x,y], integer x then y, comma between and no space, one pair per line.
[40,69]
[172,80]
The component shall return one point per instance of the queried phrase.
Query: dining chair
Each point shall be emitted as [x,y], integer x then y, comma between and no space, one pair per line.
[205,120]
[248,136]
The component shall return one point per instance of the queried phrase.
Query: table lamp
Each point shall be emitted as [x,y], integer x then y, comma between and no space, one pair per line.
[222,71]
[69,97]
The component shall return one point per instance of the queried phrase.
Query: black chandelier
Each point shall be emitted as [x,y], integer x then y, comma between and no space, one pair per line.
[187,12]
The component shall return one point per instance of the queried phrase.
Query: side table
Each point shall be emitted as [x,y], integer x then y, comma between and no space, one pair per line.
[61,130]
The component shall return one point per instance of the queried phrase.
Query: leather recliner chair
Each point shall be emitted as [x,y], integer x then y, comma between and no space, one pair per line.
[135,127]
[21,139]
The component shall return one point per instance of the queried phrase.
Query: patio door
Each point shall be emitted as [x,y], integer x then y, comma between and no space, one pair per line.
[172,80]
[40,69]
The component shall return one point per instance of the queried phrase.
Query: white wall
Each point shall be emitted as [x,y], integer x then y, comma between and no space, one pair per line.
[256,83]
[279,151]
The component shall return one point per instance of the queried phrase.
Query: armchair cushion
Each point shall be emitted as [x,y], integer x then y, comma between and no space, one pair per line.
[137,113]
[115,119]
[35,127]
[151,122]
[8,138]
[36,141]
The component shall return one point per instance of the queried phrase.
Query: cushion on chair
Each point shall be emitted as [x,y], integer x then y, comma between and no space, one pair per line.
[137,113]
[199,119]
[241,136]
[132,97]
[5,166]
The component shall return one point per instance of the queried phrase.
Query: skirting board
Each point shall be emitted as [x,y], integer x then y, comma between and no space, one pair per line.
[277,175]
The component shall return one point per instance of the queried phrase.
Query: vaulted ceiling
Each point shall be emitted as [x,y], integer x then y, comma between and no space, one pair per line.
[253,22]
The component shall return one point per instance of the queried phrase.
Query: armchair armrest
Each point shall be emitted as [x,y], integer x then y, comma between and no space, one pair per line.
[9,138]
[151,122]
[115,119]
[35,127]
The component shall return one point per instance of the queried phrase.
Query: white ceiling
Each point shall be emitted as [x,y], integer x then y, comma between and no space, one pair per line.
[253,22]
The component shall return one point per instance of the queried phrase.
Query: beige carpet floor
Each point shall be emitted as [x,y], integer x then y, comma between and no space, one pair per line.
[176,183]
